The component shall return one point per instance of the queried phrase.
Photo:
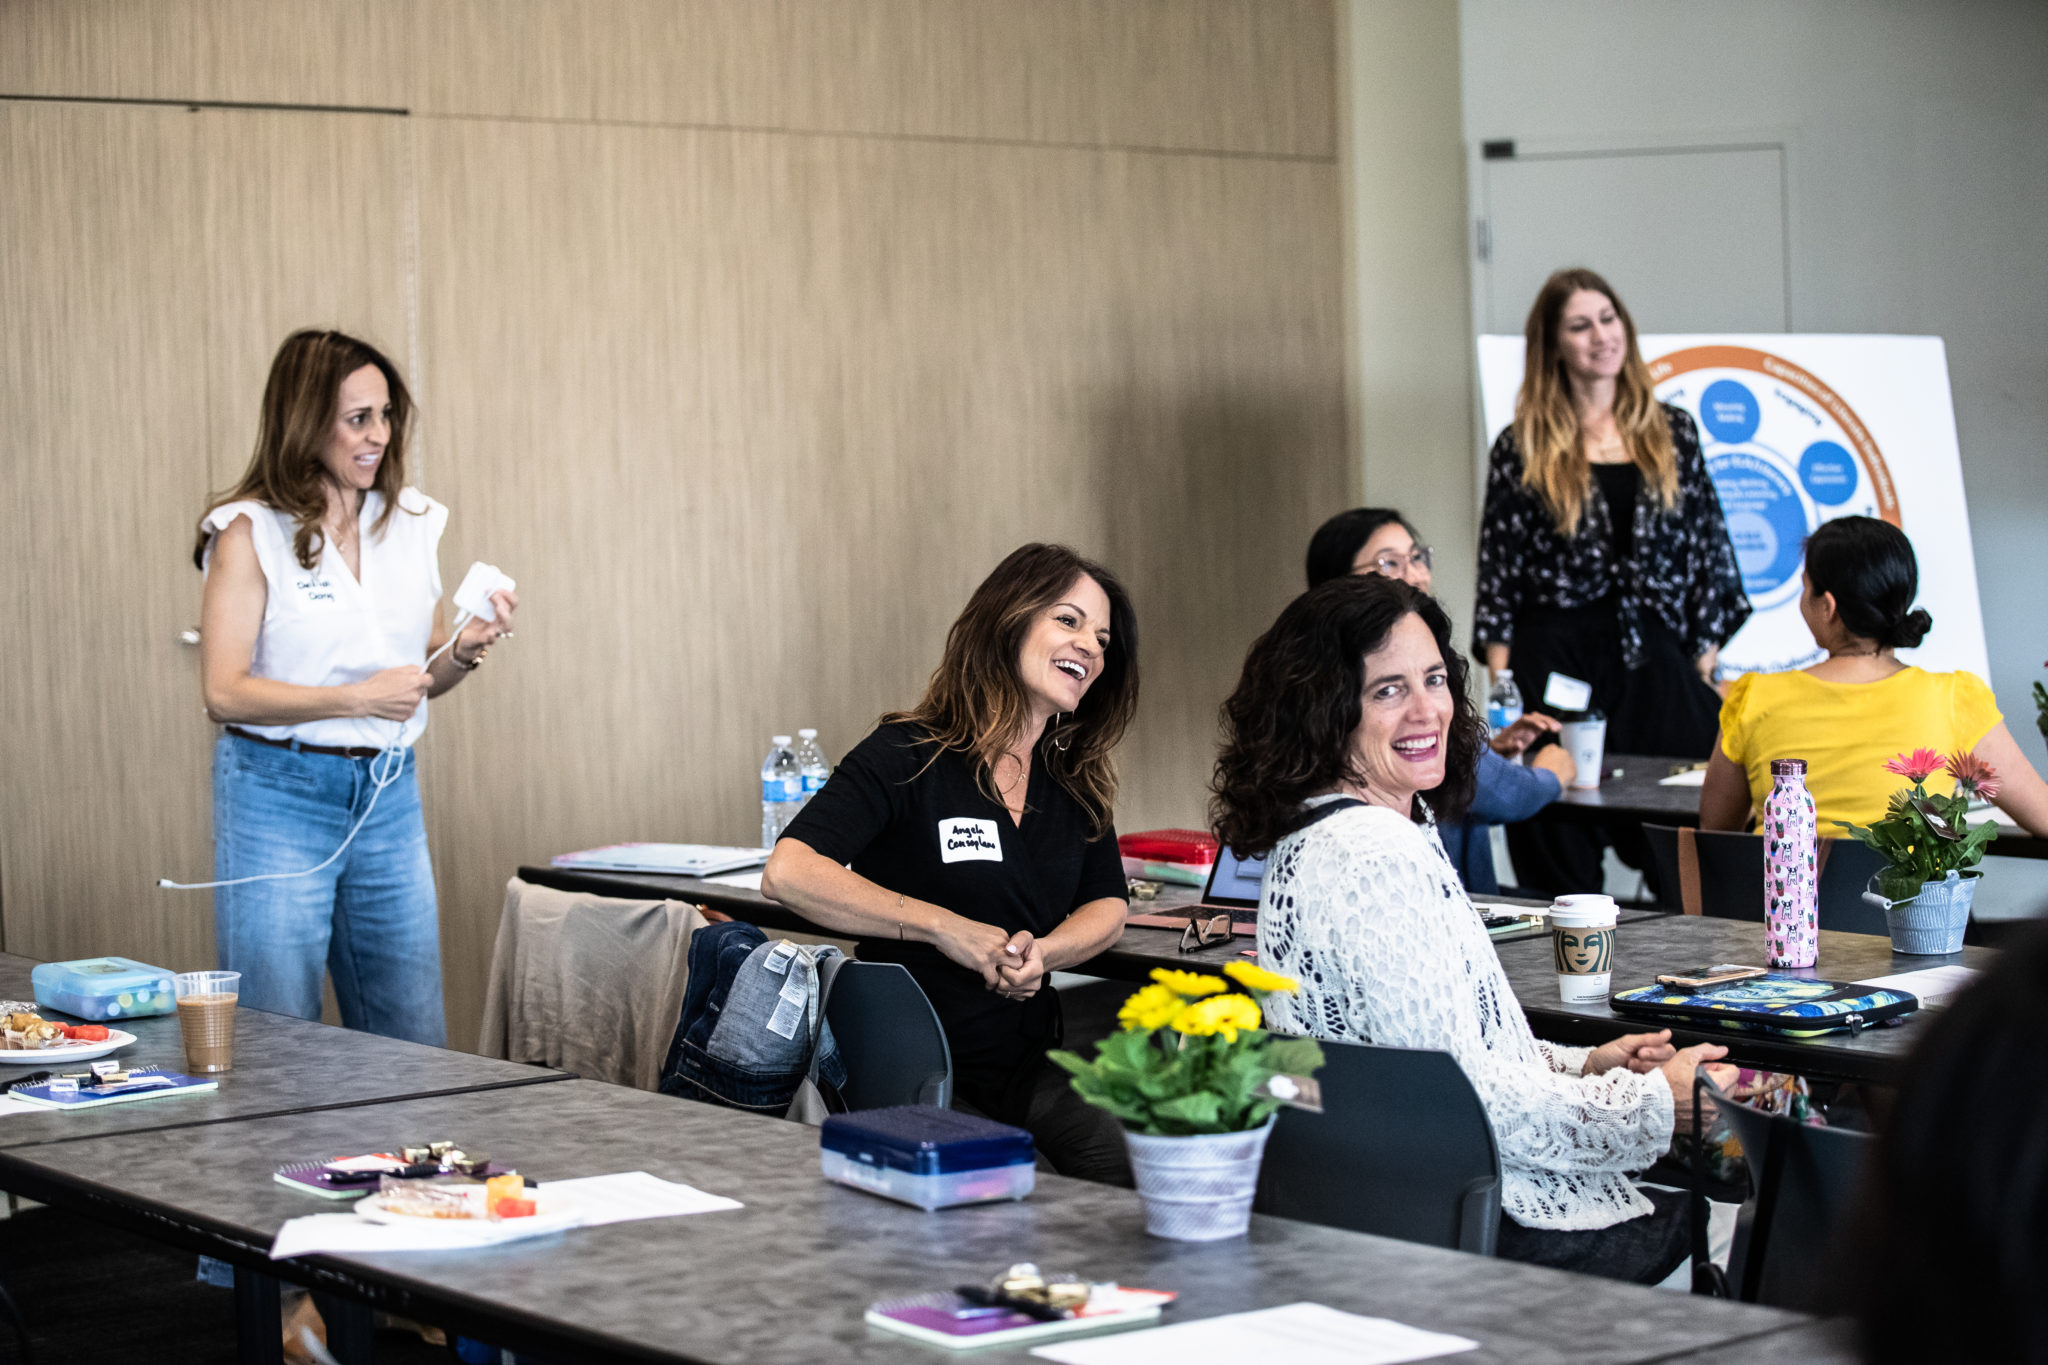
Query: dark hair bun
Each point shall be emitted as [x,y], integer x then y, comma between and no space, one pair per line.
[1909,632]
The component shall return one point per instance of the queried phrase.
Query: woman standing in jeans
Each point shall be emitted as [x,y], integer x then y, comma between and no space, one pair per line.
[1603,554]
[321,639]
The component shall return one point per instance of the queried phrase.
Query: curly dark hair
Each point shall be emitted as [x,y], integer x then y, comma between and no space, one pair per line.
[1288,726]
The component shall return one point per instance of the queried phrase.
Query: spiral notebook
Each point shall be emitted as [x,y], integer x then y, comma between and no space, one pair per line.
[91,1097]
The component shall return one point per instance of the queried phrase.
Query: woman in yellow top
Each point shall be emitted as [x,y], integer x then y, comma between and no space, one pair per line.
[1859,706]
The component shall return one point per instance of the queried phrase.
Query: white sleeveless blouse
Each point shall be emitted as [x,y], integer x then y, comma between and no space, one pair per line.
[324,628]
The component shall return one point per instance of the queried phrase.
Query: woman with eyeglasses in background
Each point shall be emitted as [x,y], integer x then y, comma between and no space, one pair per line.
[1380,540]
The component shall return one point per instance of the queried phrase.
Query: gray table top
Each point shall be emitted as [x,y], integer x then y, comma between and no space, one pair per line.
[281,1065]
[788,1277]
[1831,1342]
[1669,943]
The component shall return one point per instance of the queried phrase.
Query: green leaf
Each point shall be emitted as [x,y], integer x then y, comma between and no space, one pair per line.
[1200,1112]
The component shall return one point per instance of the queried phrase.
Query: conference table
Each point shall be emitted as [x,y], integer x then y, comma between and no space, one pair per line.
[1632,791]
[787,1277]
[1647,942]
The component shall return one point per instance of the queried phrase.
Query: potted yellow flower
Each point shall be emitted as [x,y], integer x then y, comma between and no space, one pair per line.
[1192,1076]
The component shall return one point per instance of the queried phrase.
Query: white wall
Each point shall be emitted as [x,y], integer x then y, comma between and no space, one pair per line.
[1918,199]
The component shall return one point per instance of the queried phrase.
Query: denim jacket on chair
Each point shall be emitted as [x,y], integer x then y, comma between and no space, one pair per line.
[749,1013]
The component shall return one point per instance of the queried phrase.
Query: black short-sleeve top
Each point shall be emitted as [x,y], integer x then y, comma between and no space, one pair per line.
[922,825]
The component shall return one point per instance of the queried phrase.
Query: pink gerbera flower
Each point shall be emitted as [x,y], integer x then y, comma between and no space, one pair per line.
[1974,777]
[1917,766]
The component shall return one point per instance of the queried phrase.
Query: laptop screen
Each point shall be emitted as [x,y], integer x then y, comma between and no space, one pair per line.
[1235,881]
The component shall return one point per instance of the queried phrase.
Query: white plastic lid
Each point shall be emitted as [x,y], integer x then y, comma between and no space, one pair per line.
[808,734]
[1584,911]
[779,741]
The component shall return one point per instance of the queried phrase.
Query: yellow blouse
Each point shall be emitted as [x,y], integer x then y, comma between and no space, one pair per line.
[1846,732]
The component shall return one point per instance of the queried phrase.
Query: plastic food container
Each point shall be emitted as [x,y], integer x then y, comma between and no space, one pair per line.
[1168,855]
[101,988]
[931,1157]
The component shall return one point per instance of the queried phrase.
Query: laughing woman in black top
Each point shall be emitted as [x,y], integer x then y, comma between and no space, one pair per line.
[970,838]
[1603,554]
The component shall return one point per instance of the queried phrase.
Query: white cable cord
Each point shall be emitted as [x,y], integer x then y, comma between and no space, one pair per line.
[385,768]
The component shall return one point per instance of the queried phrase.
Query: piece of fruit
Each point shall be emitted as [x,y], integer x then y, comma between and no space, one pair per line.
[515,1208]
[86,1033]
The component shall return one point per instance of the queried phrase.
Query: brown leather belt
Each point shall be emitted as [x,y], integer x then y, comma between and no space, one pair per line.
[292,744]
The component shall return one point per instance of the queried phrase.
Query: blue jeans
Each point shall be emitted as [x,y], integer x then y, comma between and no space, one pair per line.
[369,917]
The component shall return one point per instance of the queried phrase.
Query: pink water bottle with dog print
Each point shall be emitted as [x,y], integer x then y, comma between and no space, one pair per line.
[1791,881]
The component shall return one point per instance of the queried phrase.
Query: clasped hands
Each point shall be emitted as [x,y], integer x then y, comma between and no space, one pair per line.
[1644,1053]
[1011,965]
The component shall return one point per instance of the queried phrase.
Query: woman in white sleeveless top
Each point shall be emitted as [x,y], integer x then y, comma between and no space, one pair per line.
[321,614]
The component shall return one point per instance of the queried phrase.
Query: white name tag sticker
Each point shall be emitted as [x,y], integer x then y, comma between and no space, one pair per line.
[316,588]
[1566,693]
[968,841]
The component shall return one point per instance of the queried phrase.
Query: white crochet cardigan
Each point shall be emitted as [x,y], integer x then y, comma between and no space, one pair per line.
[1364,909]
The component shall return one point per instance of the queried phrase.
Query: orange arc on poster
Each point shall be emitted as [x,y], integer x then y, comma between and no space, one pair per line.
[1777,367]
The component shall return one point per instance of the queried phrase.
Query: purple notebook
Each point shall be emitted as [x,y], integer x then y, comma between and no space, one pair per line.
[945,1319]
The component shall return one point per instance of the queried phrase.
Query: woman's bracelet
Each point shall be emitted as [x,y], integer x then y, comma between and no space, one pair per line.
[471,666]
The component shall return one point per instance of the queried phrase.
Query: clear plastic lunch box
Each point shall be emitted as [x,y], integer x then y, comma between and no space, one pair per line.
[930,1157]
[103,988]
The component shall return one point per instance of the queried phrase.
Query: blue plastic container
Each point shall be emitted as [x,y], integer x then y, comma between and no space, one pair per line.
[104,988]
[931,1157]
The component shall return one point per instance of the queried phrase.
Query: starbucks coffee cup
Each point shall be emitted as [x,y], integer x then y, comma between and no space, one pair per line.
[1582,943]
[1585,738]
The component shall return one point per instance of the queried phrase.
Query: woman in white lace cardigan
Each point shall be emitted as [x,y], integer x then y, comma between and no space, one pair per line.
[1356,692]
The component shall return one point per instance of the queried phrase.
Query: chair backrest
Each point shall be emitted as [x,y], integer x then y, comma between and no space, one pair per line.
[1787,1247]
[889,1038]
[1723,877]
[1403,1148]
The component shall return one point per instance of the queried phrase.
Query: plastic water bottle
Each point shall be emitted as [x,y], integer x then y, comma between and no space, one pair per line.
[810,763]
[1791,869]
[1504,702]
[782,790]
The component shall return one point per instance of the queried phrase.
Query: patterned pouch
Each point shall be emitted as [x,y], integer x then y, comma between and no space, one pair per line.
[1775,1003]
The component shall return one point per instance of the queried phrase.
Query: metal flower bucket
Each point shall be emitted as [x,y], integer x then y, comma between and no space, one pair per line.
[1198,1188]
[1931,922]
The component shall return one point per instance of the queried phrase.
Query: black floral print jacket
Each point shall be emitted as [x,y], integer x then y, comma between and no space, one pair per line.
[1683,567]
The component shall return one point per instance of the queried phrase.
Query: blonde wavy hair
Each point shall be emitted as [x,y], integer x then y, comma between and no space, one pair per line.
[300,402]
[1547,426]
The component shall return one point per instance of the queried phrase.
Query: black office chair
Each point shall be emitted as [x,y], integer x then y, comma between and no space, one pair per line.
[1728,870]
[888,1036]
[1788,1236]
[1403,1148]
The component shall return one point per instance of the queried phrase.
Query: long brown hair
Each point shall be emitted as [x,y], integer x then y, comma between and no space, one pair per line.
[1547,426]
[300,402]
[976,704]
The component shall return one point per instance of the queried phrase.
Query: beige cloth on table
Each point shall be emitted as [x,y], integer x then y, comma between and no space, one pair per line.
[589,984]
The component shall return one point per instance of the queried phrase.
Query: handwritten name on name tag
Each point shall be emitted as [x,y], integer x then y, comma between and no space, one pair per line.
[967,841]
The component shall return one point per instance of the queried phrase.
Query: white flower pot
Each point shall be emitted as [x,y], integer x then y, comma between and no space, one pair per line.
[1198,1188]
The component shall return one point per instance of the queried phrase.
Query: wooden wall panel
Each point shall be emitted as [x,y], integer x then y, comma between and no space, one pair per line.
[1234,75]
[1227,75]
[102,465]
[155,258]
[333,52]
[749,415]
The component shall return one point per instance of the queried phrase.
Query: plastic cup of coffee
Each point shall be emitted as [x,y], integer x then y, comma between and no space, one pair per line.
[1582,942]
[1585,739]
[206,1017]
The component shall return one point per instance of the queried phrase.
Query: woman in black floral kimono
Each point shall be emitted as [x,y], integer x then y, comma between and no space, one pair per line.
[1603,554]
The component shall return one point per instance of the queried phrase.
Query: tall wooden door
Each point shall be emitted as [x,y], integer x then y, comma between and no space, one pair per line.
[150,261]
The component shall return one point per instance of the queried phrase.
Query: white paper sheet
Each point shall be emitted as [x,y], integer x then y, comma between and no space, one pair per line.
[636,1194]
[11,1107]
[1935,986]
[1300,1333]
[750,880]
[598,1199]
[1692,777]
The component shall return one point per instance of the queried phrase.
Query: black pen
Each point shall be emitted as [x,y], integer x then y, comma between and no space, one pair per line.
[33,1078]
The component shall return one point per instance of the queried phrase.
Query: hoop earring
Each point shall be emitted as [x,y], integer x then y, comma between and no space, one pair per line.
[1061,740]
